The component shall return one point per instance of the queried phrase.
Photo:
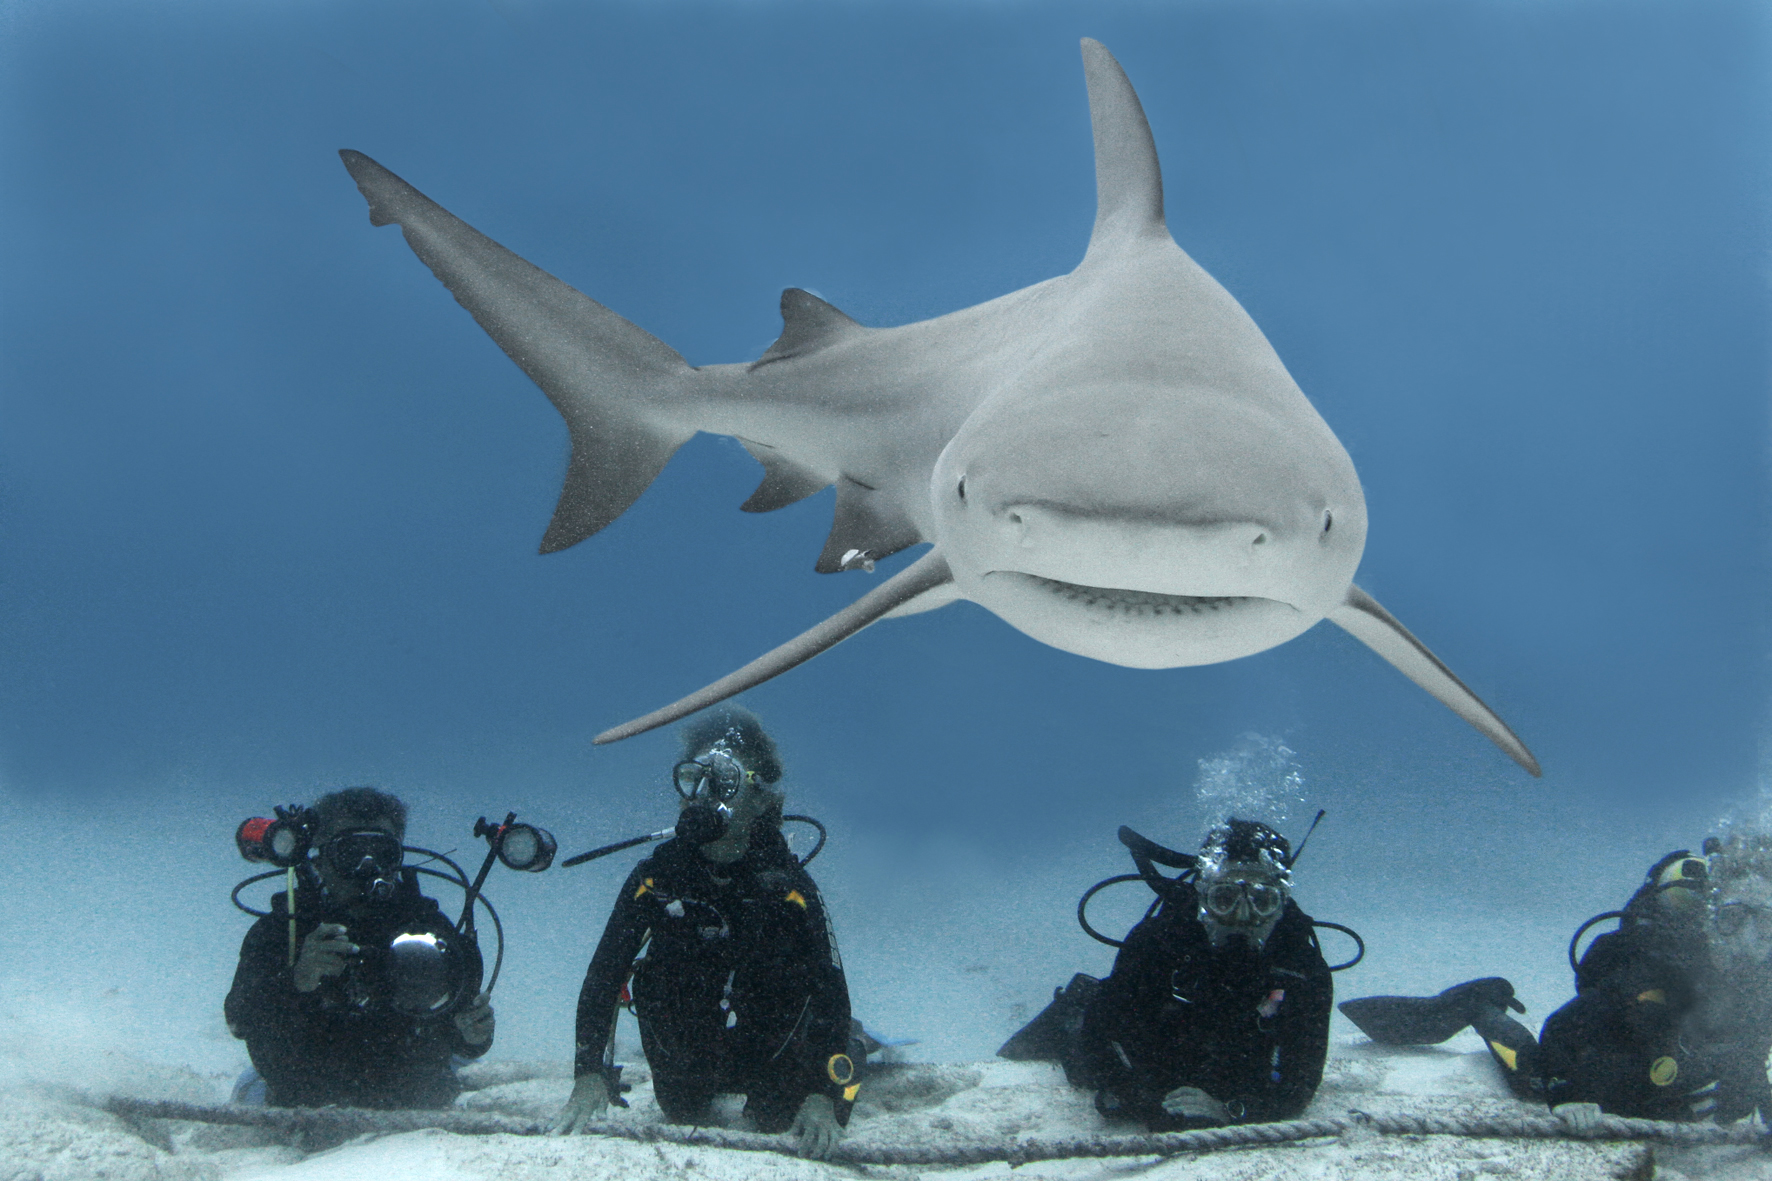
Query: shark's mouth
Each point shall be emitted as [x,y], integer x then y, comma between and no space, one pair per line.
[1133,602]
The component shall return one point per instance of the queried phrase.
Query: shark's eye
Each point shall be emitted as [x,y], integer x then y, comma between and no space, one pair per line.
[1328,520]
[962,489]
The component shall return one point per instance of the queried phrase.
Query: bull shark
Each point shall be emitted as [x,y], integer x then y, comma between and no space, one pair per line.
[1114,461]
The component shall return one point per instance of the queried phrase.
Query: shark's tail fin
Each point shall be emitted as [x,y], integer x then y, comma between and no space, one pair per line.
[601,372]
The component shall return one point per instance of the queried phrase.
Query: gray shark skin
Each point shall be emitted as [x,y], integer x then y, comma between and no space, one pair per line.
[1113,461]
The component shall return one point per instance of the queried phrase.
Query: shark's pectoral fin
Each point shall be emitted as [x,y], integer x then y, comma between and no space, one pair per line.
[929,600]
[808,324]
[784,481]
[926,574]
[1361,615]
[869,525]
[596,367]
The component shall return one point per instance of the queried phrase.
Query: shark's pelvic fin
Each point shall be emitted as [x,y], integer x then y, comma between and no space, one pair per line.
[808,324]
[593,365]
[927,574]
[868,526]
[1128,180]
[784,481]
[1361,615]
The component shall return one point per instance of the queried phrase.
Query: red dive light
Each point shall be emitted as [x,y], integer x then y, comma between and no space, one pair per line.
[282,841]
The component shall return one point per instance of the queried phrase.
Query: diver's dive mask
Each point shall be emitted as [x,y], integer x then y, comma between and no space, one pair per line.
[716,777]
[369,856]
[1240,901]
[1225,898]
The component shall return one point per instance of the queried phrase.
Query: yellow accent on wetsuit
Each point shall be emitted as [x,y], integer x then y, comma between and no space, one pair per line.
[797,898]
[1663,1071]
[644,887]
[1510,1058]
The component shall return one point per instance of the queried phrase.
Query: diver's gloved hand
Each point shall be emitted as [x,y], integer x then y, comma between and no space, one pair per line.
[322,954]
[1194,1103]
[590,1099]
[475,1022]
[816,1127]
[1581,1117]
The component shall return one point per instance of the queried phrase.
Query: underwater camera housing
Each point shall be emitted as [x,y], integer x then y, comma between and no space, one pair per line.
[417,968]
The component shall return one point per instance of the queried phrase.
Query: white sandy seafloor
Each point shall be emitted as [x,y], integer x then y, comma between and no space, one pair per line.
[51,1129]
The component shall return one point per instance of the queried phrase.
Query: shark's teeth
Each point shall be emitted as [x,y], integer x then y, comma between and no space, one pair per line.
[1135,602]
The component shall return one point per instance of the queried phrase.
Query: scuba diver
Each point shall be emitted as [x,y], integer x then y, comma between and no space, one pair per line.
[1672,1014]
[360,996]
[739,989]
[1217,1009]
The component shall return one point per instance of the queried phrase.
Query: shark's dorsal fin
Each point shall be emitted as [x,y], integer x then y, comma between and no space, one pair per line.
[868,526]
[784,481]
[1128,180]
[808,324]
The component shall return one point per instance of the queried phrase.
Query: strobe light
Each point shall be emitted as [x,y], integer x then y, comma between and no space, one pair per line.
[282,840]
[522,847]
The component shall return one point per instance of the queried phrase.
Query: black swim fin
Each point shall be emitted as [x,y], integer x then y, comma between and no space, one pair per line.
[1050,1036]
[1428,1020]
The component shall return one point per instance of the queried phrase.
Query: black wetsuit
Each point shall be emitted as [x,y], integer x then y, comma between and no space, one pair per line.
[1655,1031]
[1251,1029]
[740,989]
[341,1043]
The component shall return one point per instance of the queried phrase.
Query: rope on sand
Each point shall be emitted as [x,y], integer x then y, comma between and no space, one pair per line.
[342,1123]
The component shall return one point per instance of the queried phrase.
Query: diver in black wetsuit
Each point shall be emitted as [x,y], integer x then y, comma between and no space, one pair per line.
[740,989]
[1217,1010]
[325,1029]
[1672,1017]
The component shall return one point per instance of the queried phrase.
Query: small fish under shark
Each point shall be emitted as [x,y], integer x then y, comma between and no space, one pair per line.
[1113,461]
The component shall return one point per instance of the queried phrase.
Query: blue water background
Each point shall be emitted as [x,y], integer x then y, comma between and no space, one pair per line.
[270,501]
